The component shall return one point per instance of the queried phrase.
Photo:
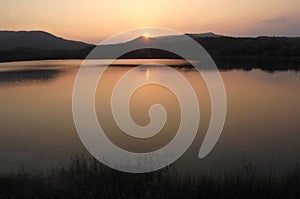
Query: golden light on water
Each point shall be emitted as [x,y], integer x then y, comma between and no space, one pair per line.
[147,74]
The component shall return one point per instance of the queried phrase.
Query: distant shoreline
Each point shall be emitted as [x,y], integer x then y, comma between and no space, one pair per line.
[265,66]
[266,53]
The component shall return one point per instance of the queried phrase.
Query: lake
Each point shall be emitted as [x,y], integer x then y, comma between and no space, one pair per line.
[37,130]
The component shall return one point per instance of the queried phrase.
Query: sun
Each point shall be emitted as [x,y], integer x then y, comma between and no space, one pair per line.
[146,35]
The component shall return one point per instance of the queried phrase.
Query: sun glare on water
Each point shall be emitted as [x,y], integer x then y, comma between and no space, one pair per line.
[147,74]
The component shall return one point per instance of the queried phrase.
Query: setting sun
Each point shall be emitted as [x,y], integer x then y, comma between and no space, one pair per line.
[146,35]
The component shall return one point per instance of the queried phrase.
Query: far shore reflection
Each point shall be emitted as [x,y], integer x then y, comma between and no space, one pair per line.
[19,76]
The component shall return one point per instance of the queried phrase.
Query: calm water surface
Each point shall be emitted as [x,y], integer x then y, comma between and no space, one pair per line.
[37,129]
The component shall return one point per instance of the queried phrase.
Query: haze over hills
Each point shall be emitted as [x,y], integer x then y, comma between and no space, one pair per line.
[194,36]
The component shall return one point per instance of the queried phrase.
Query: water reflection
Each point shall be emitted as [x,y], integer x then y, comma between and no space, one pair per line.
[24,76]
[37,129]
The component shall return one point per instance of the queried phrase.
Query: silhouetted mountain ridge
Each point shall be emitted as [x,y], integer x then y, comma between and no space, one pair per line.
[37,39]
[270,53]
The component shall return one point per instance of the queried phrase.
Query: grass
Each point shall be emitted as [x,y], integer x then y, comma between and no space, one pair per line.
[87,178]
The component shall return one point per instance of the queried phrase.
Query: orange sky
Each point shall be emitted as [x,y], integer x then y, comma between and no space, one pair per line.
[95,20]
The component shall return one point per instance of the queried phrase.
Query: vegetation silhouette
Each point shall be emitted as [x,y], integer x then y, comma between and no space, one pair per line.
[87,178]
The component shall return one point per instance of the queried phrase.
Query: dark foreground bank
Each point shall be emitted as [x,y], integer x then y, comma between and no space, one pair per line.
[87,178]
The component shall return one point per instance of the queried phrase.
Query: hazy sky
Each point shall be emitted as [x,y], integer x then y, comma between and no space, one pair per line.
[94,20]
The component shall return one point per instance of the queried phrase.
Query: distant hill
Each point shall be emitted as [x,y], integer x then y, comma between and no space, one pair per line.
[39,45]
[38,40]
[203,35]
[176,38]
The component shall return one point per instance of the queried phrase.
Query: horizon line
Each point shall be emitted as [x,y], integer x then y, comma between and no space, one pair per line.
[186,33]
